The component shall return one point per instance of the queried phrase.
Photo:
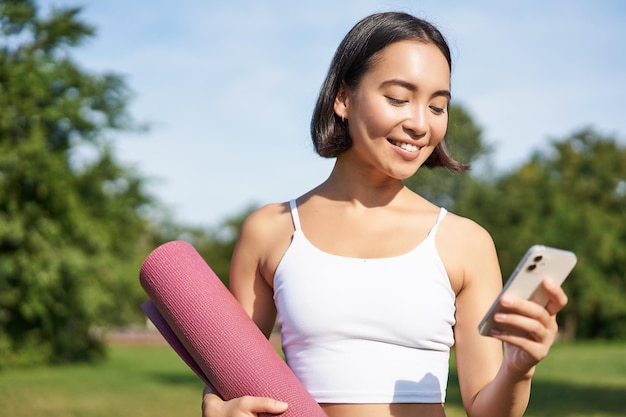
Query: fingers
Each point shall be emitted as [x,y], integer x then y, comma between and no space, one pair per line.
[262,405]
[558,298]
[251,406]
[246,406]
[526,317]
[529,326]
[524,314]
[533,335]
[535,328]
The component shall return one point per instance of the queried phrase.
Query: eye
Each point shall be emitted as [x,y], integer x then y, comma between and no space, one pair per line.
[395,101]
[438,110]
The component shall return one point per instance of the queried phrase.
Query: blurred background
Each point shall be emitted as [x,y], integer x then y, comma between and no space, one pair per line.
[228,88]
[124,125]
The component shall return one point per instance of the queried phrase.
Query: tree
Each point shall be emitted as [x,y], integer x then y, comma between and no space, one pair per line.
[71,234]
[571,196]
[465,142]
[216,246]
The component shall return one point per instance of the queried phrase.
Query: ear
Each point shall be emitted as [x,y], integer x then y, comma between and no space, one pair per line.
[341,101]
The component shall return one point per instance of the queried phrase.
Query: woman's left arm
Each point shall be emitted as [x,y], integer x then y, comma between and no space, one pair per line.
[494,382]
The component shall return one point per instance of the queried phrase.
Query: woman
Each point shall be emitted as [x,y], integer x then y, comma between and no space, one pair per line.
[373,284]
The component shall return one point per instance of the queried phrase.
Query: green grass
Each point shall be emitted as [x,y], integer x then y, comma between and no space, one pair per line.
[576,380]
[584,379]
[135,381]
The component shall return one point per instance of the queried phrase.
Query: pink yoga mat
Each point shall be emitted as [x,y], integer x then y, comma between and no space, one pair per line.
[207,327]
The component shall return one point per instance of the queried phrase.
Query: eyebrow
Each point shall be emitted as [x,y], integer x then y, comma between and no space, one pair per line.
[412,87]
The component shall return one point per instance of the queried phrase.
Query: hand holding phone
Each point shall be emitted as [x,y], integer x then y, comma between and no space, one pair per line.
[539,262]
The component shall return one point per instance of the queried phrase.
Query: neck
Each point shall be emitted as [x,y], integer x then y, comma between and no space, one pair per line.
[345,183]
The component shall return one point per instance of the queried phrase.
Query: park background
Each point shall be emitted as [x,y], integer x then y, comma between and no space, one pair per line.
[127,124]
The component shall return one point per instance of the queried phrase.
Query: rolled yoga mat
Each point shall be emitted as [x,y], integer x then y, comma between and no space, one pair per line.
[212,333]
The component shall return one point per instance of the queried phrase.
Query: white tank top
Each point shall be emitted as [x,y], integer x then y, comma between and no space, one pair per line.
[366,330]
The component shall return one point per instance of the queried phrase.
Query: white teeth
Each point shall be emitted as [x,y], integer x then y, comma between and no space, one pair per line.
[406,146]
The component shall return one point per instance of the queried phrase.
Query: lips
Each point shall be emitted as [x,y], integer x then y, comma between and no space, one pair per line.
[404,146]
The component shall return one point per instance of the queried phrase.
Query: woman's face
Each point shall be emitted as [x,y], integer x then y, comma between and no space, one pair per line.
[398,112]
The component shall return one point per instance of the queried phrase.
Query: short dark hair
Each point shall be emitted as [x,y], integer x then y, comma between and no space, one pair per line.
[355,55]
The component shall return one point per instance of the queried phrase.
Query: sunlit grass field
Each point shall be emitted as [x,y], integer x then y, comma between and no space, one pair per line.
[584,379]
[576,380]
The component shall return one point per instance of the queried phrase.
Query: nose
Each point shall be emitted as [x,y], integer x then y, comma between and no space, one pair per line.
[416,122]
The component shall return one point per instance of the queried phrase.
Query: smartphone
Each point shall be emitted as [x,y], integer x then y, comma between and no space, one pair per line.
[538,263]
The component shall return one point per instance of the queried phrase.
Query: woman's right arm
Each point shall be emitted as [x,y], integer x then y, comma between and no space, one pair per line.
[251,264]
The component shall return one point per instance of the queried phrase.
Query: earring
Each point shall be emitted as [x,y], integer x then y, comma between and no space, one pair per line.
[343,119]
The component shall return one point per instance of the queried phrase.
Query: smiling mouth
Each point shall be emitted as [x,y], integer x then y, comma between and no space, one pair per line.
[404,146]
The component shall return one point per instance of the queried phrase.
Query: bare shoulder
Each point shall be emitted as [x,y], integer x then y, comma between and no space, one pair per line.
[268,220]
[464,233]
[464,246]
[266,233]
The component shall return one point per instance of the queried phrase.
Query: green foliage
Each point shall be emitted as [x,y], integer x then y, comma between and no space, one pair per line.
[574,197]
[216,246]
[71,237]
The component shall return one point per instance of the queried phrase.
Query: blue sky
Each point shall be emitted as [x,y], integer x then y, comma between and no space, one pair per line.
[228,87]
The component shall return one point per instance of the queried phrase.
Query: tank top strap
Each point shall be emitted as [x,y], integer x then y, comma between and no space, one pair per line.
[296,218]
[442,214]
[294,214]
